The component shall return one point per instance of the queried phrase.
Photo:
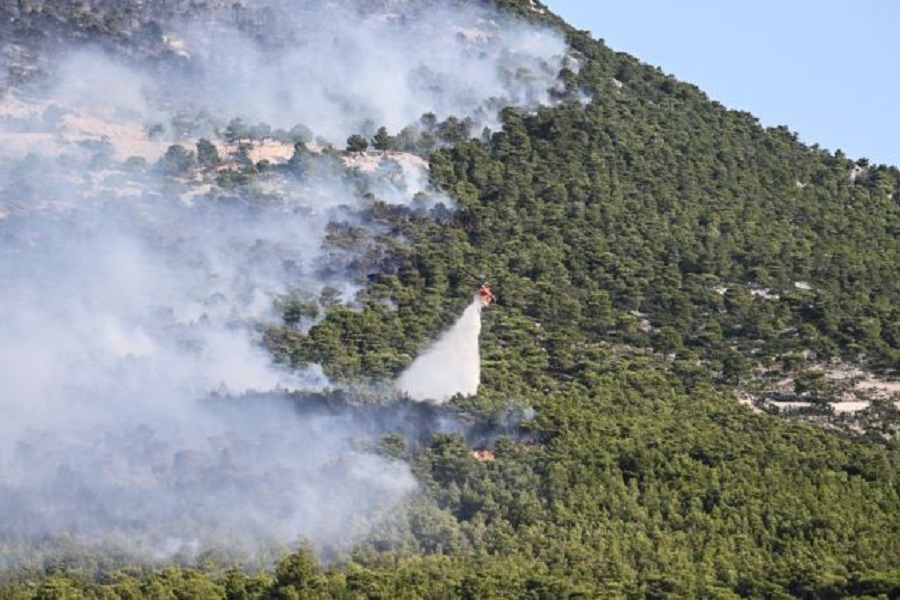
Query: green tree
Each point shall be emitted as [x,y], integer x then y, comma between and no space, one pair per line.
[177,161]
[207,154]
[357,143]
[382,141]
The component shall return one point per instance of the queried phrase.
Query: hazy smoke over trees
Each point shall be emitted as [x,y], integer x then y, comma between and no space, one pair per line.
[342,70]
[128,297]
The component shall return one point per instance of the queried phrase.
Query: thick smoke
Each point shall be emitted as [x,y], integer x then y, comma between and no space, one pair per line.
[129,297]
[449,367]
[340,70]
[118,315]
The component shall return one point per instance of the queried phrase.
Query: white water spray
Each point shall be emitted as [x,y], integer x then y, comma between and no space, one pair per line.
[451,366]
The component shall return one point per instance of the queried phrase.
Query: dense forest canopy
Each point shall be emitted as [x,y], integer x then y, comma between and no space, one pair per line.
[687,301]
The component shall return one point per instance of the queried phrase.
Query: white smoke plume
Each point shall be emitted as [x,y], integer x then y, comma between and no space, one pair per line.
[449,367]
[128,298]
[338,70]
[118,316]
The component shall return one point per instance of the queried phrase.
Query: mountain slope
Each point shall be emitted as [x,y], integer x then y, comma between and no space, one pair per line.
[653,254]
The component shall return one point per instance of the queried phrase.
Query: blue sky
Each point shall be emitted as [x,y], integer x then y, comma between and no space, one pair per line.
[828,70]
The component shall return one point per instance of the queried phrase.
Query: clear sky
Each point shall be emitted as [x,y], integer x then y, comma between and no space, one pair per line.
[828,70]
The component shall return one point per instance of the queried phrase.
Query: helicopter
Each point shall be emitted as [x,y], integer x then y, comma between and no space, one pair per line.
[485,294]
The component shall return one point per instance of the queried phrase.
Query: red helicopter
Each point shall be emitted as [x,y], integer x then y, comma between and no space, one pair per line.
[486,295]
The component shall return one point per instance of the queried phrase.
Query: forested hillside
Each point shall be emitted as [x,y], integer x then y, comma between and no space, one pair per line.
[657,258]
[639,214]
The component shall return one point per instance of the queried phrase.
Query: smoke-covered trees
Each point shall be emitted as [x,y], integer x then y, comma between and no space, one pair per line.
[207,154]
[357,143]
[698,490]
[382,140]
[296,310]
[177,160]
